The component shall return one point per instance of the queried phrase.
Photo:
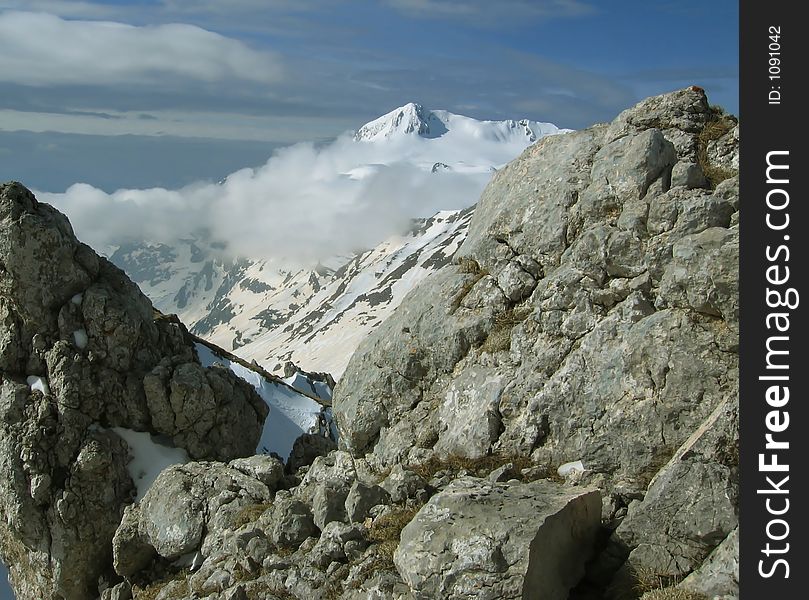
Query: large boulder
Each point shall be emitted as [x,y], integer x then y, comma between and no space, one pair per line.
[81,353]
[478,539]
[184,511]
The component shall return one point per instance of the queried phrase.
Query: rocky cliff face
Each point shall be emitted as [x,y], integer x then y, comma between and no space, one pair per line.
[592,317]
[81,354]
[553,416]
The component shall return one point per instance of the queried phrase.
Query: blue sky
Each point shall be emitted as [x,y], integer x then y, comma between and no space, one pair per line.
[143,93]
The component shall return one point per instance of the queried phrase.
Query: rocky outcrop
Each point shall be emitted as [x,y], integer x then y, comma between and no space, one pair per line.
[80,354]
[592,316]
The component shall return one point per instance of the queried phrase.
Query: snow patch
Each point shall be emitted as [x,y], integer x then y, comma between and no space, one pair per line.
[37,383]
[149,458]
[80,338]
[291,414]
[570,468]
[77,299]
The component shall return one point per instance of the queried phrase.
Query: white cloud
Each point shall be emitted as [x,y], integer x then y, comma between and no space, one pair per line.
[42,50]
[306,203]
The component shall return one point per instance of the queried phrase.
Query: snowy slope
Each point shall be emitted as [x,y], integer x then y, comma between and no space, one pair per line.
[312,317]
[291,413]
[329,325]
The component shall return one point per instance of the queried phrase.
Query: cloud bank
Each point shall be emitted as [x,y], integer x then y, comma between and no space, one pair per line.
[307,203]
[40,49]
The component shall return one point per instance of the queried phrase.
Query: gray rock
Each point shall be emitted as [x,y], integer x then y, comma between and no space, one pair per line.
[718,577]
[121,591]
[172,517]
[306,449]
[188,508]
[209,411]
[403,485]
[703,274]
[362,498]
[686,110]
[266,469]
[292,522]
[74,321]
[331,546]
[516,282]
[536,547]
[131,550]
[469,420]
[688,174]
[503,473]
[329,502]
[691,505]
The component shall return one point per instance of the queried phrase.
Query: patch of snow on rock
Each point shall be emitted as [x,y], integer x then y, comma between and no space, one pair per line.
[80,338]
[149,458]
[570,468]
[38,383]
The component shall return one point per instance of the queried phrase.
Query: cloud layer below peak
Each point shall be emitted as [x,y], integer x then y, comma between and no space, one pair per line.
[307,203]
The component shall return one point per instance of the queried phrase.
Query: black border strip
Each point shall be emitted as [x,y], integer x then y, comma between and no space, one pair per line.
[773,116]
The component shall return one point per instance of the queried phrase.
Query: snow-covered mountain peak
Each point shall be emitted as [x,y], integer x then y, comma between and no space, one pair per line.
[410,119]
[414,121]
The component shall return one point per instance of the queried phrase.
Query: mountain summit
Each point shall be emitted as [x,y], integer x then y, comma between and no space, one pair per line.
[413,119]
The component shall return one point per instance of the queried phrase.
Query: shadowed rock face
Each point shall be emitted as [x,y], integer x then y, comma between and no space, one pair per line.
[77,342]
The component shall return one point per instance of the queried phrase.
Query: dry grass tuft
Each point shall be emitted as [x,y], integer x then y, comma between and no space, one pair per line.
[718,125]
[499,338]
[151,591]
[250,514]
[471,267]
[672,593]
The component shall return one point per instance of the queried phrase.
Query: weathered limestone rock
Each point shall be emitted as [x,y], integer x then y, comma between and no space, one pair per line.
[79,348]
[691,505]
[183,512]
[209,411]
[292,522]
[329,502]
[535,546]
[362,497]
[403,485]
